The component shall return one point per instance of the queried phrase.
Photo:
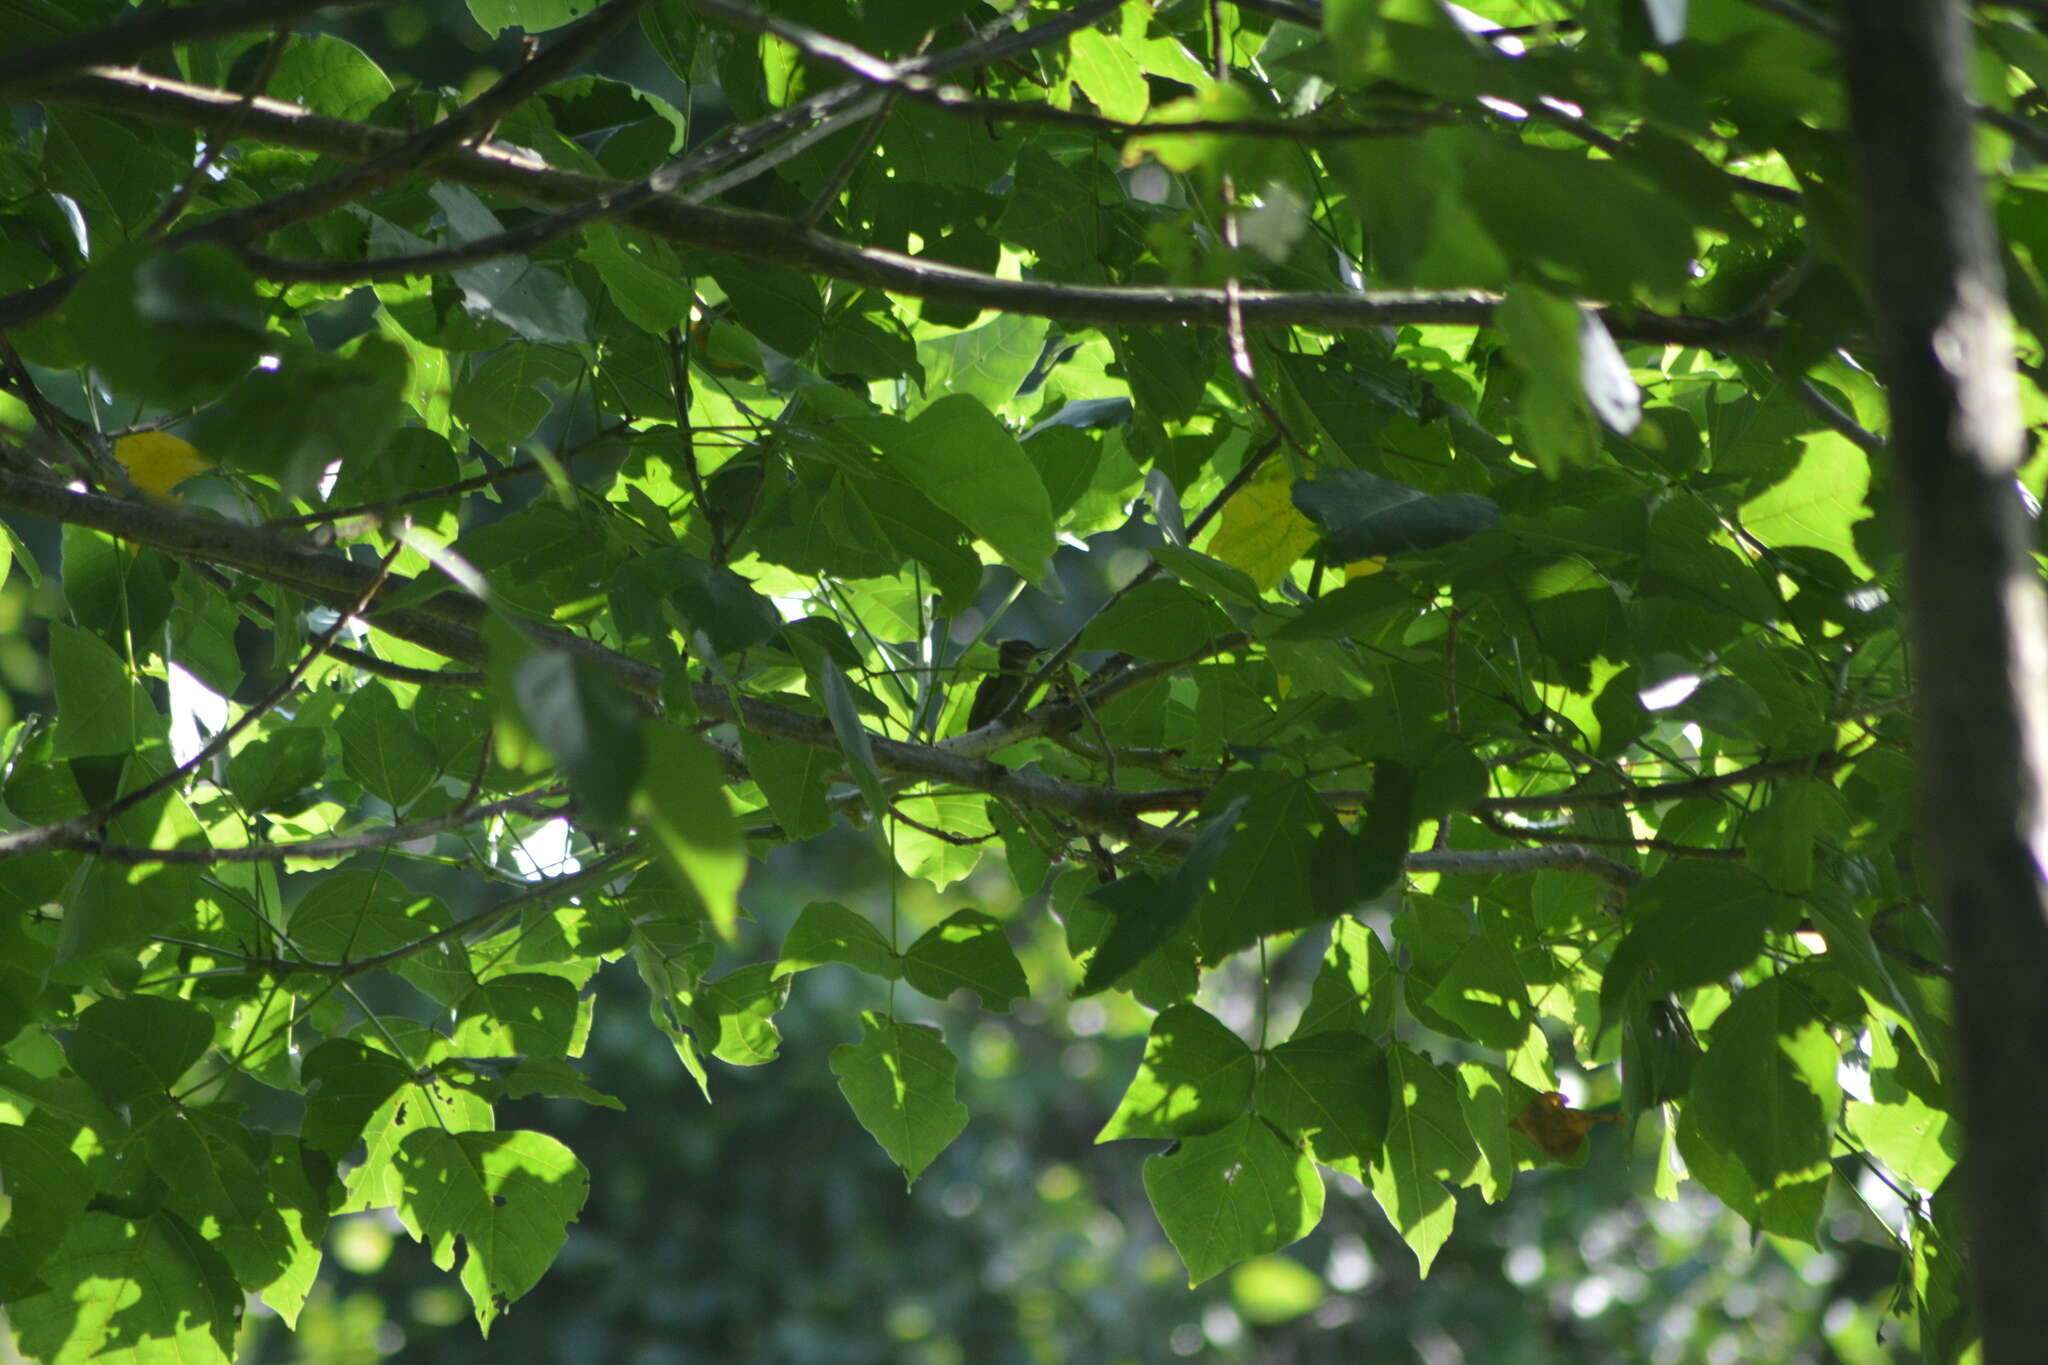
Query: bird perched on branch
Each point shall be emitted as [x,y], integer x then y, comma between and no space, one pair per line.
[1014,659]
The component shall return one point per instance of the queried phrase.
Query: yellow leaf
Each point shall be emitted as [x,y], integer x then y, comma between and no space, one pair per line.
[158,462]
[1261,532]
[1364,568]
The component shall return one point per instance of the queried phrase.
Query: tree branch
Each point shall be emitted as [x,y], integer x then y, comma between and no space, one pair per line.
[411,155]
[333,846]
[445,624]
[1667,791]
[766,238]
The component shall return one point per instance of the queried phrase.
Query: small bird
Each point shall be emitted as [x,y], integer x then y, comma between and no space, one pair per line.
[1556,1127]
[1014,659]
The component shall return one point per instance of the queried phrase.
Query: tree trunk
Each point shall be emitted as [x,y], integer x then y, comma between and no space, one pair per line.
[1980,630]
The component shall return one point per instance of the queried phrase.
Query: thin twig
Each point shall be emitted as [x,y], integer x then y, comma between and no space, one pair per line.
[944,836]
[1667,791]
[1800,17]
[1810,394]
[338,845]
[686,443]
[217,140]
[766,238]
[1237,481]
[1648,844]
[1586,131]
[83,828]
[418,677]
[603,869]
[419,152]
[855,155]
[516,469]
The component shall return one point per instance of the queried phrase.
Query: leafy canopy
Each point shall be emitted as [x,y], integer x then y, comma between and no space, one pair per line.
[1432,442]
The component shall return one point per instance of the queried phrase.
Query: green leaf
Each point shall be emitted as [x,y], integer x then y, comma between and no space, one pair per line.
[258,1198]
[1264,881]
[133,1050]
[348,1083]
[1103,69]
[1195,1078]
[592,728]
[1361,608]
[420,1105]
[1427,1143]
[957,454]
[829,685]
[535,16]
[1230,1195]
[351,915]
[1912,1139]
[1586,218]
[641,274]
[381,747]
[966,950]
[553,1078]
[1157,620]
[793,778]
[1328,1091]
[1690,925]
[277,768]
[329,76]
[1792,1210]
[1780,837]
[1220,581]
[1411,201]
[1354,988]
[534,301]
[1168,370]
[148,1290]
[828,932]
[313,410]
[1819,502]
[671,960]
[779,305]
[1657,1056]
[735,1014]
[100,709]
[518,1014]
[1484,1092]
[1482,992]
[110,911]
[1056,212]
[503,400]
[683,804]
[508,1197]
[724,606]
[1543,335]
[1766,1092]
[1364,516]
[170,327]
[899,1081]
[1147,912]
[1351,867]
[47,1188]
[988,362]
